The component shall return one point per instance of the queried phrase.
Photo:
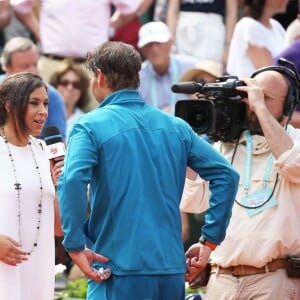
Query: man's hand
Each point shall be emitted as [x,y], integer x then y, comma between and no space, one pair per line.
[196,259]
[10,252]
[84,260]
[256,98]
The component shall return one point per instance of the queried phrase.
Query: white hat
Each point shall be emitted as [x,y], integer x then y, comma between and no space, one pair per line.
[206,66]
[153,32]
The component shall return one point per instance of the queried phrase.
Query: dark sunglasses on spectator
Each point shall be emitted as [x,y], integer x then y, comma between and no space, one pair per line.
[75,84]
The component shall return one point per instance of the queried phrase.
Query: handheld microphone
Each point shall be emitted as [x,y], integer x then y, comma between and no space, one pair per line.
[55,146]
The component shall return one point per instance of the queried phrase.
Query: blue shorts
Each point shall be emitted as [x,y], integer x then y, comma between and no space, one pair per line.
[139,287]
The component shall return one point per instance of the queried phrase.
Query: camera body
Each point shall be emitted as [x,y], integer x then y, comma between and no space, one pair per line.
[219,113]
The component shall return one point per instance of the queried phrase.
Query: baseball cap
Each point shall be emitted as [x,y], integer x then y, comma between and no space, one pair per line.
[206,66]
[156,31]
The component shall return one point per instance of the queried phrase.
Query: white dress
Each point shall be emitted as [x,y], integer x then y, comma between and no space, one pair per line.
[250,31]
[34,278]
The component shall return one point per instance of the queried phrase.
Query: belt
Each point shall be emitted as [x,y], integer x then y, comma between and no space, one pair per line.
[242,270]
[78,60]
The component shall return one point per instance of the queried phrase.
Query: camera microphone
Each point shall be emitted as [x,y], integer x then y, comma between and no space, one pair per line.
[188,87]
[55,146]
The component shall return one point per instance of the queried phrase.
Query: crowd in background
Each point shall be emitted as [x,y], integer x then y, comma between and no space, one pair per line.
[177,40]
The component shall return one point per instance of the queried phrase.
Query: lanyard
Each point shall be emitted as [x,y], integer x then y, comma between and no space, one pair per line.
[155,88]
[249,161]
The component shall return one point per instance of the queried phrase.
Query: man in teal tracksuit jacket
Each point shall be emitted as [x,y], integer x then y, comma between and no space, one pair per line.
[133,157]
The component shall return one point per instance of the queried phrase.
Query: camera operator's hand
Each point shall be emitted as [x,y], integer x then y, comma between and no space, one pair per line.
[196,259]
[256,98]
[267,94]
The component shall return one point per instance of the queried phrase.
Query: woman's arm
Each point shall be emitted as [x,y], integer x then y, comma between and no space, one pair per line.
[231,16]
[172,16]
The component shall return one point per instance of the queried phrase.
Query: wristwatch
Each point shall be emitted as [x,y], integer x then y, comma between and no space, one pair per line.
[205,242]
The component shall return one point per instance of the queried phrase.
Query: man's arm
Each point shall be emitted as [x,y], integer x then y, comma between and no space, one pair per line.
[278,140]
[5,13]
[30,20]
[122,17]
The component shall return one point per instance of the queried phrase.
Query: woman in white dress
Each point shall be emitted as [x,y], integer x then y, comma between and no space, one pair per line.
[257,37]
[29,215]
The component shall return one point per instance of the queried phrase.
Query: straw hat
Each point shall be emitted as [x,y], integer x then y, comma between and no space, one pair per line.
[206,66]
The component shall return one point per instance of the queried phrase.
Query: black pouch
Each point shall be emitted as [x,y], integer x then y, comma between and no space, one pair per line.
[293,266]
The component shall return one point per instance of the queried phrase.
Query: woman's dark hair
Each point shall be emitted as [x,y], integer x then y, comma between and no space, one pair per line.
[254,8]
[119,62]
[83,78]
[15,91]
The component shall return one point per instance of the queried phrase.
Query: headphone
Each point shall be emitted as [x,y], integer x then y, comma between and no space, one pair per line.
[292,97]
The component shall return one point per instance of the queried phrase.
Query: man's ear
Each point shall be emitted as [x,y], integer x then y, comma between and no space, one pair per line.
[7,106]
[101,79]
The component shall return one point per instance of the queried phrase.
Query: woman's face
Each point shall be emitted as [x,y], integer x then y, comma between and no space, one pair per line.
[37,111]
[69,87]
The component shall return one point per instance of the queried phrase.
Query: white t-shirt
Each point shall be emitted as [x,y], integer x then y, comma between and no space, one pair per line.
[250,31]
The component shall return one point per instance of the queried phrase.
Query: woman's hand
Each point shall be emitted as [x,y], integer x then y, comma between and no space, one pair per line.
[56,165]
[10,251]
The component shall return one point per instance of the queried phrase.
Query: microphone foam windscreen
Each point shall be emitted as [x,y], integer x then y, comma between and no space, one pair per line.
[52,135]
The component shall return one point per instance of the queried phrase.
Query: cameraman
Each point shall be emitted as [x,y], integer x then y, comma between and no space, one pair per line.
[265,225]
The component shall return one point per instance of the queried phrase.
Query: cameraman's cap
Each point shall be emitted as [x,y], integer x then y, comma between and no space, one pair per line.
[206,66]
[153,32]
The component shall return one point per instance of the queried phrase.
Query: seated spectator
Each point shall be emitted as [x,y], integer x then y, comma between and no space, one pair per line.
[21,54]
[72,81]
[203,72]
[161,68]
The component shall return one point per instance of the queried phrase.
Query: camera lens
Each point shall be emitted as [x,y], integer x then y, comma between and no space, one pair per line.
[199,120]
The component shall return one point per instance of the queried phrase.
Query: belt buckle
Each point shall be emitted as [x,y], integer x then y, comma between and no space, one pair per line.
[236,271]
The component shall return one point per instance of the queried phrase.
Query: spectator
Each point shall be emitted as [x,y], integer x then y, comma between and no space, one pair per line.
[128,33]
[203,72]
[21,54]
[202,28]
[134,228]
[72,83]
[161,68]
[257,37]
[69,29]
[264,229]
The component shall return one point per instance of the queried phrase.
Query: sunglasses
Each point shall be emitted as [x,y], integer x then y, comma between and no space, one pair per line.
[75,84]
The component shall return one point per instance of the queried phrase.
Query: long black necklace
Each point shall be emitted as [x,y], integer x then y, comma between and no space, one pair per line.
[18,188]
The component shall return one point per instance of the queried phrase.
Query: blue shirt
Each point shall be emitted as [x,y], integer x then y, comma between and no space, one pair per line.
[135,156]
[155,89]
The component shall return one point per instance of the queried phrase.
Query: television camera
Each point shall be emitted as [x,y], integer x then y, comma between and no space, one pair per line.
[219,112]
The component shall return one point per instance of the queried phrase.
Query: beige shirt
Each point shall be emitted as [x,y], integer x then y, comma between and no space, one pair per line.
[274,232]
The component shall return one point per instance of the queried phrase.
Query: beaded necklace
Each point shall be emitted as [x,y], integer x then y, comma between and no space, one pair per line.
[18,188]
